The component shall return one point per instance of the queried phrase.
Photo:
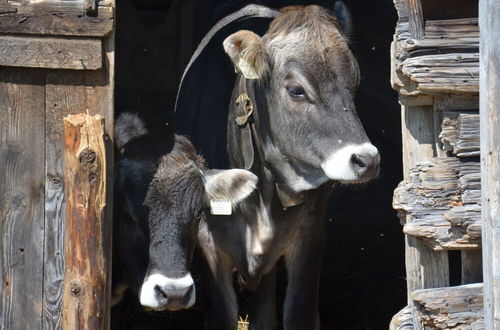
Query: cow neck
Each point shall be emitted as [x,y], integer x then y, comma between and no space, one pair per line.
[245,108]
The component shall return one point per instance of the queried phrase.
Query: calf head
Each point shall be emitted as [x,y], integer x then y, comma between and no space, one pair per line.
[177,200]
[307,76]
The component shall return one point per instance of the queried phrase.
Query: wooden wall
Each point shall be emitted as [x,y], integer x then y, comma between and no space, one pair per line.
[60,62]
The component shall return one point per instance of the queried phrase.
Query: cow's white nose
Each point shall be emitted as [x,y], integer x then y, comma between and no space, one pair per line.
[353,163]
[159,292]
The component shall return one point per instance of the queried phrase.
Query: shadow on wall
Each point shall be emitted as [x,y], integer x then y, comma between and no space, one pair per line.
[362,283]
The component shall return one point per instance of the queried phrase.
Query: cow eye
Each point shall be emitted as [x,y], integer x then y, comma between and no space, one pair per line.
[199,213]
[296,92]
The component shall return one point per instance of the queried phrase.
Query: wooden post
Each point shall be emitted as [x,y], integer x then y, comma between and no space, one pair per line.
[489,24]
[86,296]
[425,268]
[416,18]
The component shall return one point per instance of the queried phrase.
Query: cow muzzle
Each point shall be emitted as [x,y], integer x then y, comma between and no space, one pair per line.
[159,292]
[353,164]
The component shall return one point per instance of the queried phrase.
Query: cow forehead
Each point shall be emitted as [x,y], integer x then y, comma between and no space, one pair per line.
[325,56]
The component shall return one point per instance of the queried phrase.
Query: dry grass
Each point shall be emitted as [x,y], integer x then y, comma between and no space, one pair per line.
[243,323]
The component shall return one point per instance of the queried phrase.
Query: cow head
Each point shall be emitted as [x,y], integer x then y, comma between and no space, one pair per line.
[177,199]
[308,76]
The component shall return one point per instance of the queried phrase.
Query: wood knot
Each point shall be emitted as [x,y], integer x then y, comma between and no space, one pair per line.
[75,288]
[55,182]
[87,158]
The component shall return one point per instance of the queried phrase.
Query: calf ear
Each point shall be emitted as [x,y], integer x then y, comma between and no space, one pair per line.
[343,15]
[246,50]
[233,185]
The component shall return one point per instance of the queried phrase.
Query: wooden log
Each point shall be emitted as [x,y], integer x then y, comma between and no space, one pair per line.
[404,320]
[458,307]
[22,159]
[440,198]
[460,134]
[86,297]
[55,20]
[51,53]
[445,61]
[489,13]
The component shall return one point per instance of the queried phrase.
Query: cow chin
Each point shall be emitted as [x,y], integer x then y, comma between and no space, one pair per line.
[159,292]
[353,164]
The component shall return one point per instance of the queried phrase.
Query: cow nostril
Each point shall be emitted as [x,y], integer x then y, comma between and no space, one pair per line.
[160,290]
[356,160]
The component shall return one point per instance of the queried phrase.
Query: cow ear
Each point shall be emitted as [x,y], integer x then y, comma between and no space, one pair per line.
[233,185]
[246,50]
[343,16]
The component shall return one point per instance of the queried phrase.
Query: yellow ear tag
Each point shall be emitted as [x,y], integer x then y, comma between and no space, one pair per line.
[247,70]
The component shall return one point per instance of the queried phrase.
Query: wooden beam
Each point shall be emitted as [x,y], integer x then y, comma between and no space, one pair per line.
[416,18]
[55,20]
[489,12]
[51,53]
[459,307]
[86,298]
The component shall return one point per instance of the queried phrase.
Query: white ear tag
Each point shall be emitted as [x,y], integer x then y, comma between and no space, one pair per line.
[221,207]
[247,70]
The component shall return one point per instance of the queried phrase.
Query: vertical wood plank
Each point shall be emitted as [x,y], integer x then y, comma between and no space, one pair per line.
[425,268]
[489,24]
[88,254]
[416,18]
[472,269]
[70,92]
[22,159]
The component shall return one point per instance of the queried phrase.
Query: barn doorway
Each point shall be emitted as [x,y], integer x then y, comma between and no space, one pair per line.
[363,277]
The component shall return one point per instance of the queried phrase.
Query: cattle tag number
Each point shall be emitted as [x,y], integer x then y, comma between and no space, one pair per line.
[220,207]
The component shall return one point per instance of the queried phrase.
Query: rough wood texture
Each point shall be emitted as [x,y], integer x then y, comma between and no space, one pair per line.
[51,53]
[88,234]
[22,155]
[445,61]
[458,307]
[460,134]
[404,320]
[441,200]
[59,20]
[416,18]
[67,92]
[489,13]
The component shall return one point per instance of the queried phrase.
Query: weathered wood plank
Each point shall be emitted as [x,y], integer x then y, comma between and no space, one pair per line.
[88,235]
[51,53]
[489,13]
[458,307]
[55,20]
[22,155]
[441,198]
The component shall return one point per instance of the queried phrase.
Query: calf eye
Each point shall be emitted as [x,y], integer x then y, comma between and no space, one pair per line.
[296,92]
[199,214]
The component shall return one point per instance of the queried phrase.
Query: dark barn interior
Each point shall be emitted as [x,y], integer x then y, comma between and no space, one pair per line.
[363,276]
